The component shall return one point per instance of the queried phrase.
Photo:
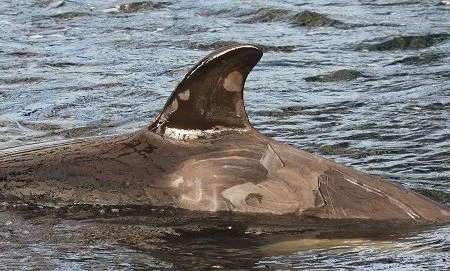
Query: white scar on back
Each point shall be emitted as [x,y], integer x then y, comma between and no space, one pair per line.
[233,82]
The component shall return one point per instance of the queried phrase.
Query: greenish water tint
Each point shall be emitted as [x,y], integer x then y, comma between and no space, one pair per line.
[409,42]
[340,75]
[83,68]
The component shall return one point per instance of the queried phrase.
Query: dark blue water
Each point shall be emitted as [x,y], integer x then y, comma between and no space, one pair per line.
[83,68]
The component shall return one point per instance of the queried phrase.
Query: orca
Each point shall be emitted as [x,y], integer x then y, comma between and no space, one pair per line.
[201,153]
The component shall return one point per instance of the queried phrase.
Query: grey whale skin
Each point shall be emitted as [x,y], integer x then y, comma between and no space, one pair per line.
[201,153]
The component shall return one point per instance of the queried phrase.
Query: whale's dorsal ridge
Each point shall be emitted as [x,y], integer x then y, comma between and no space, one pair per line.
[210,96]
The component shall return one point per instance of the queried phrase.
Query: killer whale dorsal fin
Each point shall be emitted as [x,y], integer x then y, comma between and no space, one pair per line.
[210,96]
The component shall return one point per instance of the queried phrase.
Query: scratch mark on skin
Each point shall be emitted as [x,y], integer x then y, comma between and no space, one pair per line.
[326,201]
[234,167]
[197,195]
[398,203]
[265,188]
[241,151]
[235,157]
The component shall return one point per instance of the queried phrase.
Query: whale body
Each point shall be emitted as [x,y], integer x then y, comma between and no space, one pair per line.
[201,153]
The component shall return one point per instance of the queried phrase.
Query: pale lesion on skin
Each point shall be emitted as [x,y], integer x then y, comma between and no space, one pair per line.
[201,179]
[238,180]
[234,82]
[184,96]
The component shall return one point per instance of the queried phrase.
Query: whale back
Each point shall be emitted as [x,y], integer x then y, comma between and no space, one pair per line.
[210,96]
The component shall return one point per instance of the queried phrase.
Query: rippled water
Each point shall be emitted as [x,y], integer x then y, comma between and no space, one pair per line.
[81,68]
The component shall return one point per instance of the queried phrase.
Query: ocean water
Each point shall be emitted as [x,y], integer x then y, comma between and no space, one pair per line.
[83,68]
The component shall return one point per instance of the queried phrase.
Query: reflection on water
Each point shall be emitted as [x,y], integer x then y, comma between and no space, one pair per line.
[122,59]
[428,250]
[133,237]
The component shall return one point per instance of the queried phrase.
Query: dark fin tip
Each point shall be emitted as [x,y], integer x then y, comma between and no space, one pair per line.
[211,94]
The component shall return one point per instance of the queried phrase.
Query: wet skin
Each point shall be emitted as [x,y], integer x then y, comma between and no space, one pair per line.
[201,153]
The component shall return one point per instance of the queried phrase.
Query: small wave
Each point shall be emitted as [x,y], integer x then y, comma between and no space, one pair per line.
[265,48]
[41,126]
[342,149]
[64,64]
[4,22]
[304,18]
[265,15]
[422,59]
[77,132]
[24,54]
[436,195]
[391,4]
[336,76]
[69,15]
[314,19]
[137,7]
[19,80]
[408,42]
